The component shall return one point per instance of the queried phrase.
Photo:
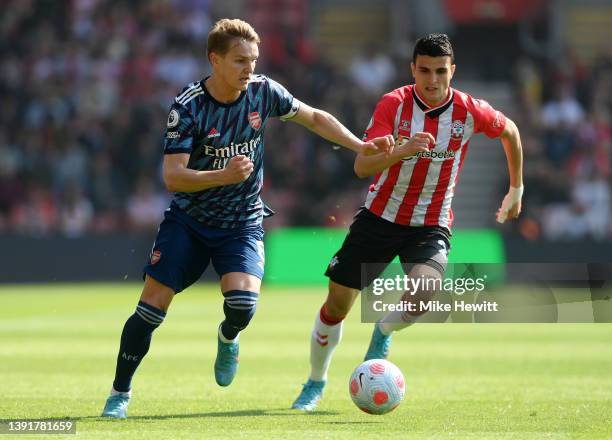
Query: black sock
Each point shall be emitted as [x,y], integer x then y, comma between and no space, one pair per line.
[135,342]
[239,308]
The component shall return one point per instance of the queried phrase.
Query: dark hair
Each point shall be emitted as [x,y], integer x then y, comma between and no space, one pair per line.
[433,45]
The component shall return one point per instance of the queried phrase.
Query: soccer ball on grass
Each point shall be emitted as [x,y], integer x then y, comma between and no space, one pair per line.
[377,386]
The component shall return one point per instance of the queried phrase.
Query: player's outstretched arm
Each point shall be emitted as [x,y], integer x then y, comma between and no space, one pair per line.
[511,140]
[179,178]
[328,127]
[368,165]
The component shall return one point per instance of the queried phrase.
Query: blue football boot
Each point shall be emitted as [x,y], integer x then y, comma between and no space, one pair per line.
[310,396]
[116,406]
[226,363]
[379,345]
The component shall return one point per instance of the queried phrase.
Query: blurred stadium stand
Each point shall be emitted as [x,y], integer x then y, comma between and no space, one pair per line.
[86,85]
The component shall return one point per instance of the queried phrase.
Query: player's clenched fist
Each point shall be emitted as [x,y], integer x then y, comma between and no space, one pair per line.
[238,169]
[411,146]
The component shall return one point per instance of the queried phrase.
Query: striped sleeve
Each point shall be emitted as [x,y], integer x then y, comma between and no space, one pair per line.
[487,120]
[180,130]
[283,104]
[180,127]
[382,121]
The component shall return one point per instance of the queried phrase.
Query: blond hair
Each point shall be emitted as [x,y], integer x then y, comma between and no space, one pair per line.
[225,30]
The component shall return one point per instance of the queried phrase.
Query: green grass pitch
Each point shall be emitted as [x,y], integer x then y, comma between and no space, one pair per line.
[464,381]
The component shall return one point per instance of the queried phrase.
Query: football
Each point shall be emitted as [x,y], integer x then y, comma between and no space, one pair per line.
[377,386]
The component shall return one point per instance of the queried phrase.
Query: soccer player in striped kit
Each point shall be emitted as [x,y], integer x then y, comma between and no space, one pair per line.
[407,212]
[213,163]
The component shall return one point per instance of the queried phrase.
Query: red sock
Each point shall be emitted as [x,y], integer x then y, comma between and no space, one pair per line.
[327,319]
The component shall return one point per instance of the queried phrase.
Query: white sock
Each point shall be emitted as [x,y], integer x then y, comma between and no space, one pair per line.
[323,341]
[395,321]
[114,392]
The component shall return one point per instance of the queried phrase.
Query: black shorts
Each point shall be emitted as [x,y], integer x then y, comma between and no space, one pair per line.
[372,239]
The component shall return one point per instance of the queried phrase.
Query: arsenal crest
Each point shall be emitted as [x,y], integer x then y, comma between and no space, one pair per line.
[255,120]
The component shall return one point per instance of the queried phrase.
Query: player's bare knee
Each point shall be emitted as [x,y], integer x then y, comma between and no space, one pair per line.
[429,284]
[156,294]
[336,310]
[339,300]
[240,281]
[419,295]
[156,299]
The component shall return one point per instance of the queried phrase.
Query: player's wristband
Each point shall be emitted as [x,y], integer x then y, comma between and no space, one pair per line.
[514,195]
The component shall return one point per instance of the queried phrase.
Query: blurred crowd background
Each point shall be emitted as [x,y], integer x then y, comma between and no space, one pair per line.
[86,86]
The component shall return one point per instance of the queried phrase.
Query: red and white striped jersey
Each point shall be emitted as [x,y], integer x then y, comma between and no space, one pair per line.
[418,191]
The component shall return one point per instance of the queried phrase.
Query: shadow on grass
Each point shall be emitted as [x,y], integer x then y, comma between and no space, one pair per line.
[239,413]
